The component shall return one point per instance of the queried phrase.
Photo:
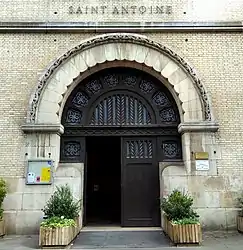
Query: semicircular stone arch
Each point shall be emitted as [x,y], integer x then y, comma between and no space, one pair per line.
[47,100]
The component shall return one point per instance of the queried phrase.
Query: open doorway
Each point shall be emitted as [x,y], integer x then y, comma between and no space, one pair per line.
[103,181]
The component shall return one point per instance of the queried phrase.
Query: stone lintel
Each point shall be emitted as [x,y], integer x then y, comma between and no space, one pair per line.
[204,126]
[43,128]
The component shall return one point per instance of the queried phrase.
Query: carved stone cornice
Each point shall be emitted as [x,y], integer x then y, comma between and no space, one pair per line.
[204,126]
[116,26]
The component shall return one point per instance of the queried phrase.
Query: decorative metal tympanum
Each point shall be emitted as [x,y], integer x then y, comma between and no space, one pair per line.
[120,97]
[127,101]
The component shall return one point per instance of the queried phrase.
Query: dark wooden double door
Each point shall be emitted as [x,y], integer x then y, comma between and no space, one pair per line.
[122,181]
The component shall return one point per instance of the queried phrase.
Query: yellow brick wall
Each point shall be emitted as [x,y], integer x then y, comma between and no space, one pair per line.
[217,57]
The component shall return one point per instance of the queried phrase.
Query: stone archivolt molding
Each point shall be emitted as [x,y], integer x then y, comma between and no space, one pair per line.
[115,39]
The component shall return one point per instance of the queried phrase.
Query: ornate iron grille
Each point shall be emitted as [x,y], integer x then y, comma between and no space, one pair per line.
[171,149]
[167,115]
[120,110]
[72,149]
[139,149]
[74,116]
[80,99]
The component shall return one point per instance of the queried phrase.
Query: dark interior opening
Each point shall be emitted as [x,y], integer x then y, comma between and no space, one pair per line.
[103,180]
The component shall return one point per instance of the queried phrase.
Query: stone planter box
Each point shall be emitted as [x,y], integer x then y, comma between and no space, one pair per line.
[183,234]
[58,236]
[2,228]
[240,224]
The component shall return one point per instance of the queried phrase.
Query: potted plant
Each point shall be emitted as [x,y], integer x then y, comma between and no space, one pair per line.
[3,193]
[240,217]
[181,223]
[60,225]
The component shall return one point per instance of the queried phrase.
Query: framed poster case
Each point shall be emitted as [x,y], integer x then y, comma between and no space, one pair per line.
[39,172]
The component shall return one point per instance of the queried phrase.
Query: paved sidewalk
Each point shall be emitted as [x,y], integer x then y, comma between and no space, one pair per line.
[19,242]
[222,240]
[211,241]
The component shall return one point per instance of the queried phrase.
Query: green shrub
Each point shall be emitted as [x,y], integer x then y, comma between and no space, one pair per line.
[3,193]
[178,207]
[186,221]
[55,222]
[62,203]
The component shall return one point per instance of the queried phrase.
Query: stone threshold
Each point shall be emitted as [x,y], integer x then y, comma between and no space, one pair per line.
[118,228]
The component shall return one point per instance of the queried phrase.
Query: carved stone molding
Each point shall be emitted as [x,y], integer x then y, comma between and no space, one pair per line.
[131,26]
[43,128]
[117,38]
[198,127]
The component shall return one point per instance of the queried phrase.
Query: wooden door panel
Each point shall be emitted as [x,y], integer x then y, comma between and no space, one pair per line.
[140,183]
[140,201]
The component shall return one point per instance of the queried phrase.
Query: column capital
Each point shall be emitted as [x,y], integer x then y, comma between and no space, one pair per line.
[43,128]
[202,126]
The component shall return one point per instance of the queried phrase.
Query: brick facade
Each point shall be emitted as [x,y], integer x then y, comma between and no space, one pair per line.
[216,57]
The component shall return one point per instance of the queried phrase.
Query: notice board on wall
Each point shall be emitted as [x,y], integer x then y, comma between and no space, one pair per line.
[39,171]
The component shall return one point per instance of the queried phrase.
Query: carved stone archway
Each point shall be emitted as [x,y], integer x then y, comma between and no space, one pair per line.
[52,87]
[63,75]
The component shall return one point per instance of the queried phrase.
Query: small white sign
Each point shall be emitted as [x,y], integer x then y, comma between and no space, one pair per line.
[202,165]
[31,177]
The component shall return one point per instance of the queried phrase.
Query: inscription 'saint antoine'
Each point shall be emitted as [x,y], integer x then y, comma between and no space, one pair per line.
[121,10]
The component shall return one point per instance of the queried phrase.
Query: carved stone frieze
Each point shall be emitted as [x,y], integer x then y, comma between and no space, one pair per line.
[119,131]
